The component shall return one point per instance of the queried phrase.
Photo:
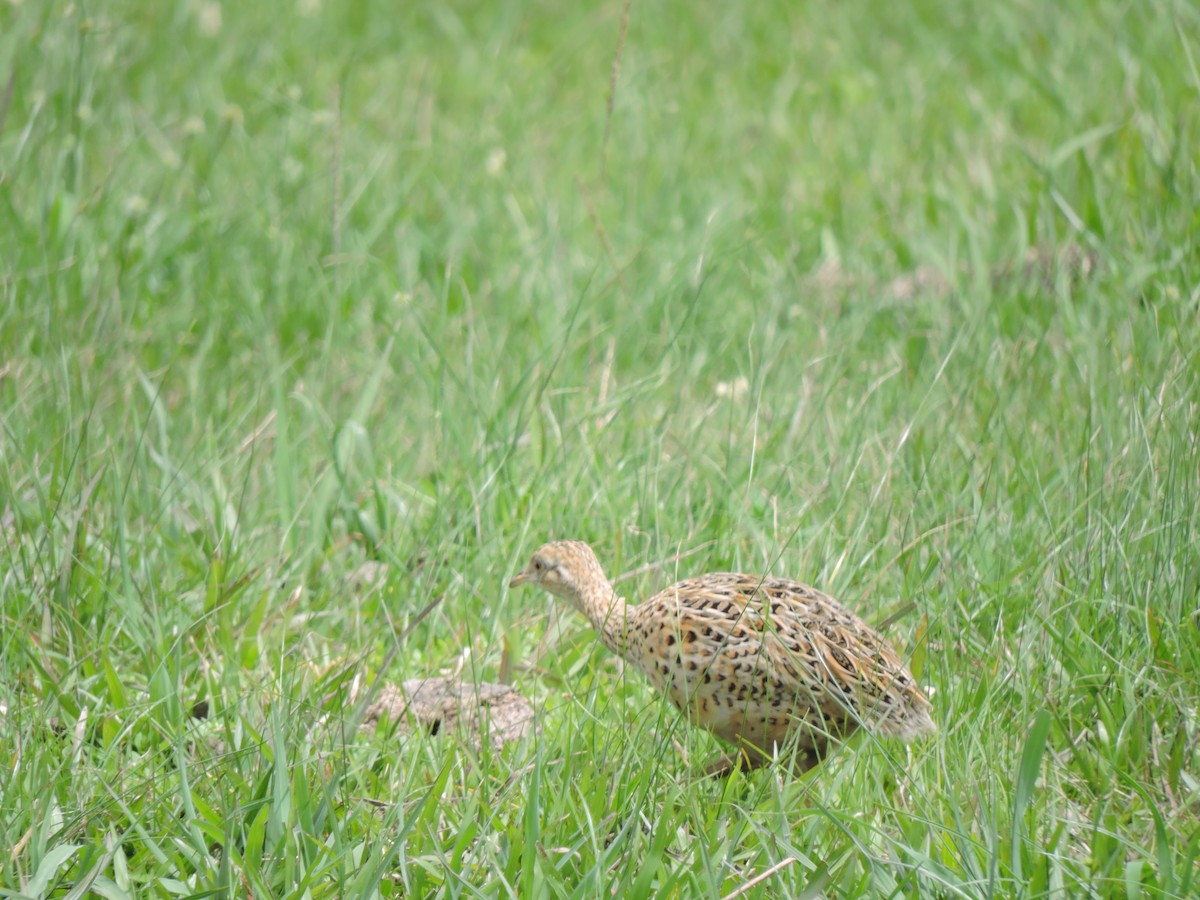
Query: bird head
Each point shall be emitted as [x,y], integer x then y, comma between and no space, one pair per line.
[564,568]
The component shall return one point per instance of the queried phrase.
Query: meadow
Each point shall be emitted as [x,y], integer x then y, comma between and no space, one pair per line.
[317,318]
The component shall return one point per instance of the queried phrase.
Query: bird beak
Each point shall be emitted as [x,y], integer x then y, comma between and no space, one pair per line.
[519,580]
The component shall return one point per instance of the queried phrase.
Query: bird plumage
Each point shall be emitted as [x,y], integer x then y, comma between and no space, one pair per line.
[754,659]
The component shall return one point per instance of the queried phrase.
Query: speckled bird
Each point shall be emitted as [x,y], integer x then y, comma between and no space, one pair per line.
[754,659]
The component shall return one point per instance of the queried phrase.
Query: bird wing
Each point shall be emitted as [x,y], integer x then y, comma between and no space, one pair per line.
[789,642]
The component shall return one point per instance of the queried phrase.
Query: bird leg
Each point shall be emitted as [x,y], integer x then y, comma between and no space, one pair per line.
[808,756]
[724,766]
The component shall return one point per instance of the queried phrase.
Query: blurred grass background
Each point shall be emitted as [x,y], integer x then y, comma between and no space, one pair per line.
[311,313]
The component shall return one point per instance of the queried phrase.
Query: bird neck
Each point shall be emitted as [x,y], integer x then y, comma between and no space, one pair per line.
[606,610]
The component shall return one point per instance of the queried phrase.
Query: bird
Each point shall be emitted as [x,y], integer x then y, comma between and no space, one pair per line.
[756,660]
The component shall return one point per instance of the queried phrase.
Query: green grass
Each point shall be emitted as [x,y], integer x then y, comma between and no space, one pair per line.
[290,288]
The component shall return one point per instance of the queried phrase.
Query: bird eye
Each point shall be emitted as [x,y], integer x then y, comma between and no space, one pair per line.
[538,565]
